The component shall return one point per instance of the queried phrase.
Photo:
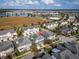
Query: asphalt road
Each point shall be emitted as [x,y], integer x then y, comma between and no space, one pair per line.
[65,39]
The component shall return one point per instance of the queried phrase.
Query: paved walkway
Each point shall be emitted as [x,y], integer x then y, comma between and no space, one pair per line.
[23,55]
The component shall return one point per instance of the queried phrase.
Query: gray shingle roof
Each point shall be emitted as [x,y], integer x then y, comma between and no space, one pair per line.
[23,41]
[6,31]
[46,56]
[36,37]
[5,45]
[47,34]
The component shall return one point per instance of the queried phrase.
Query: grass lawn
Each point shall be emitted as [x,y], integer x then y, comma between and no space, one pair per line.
[10,22]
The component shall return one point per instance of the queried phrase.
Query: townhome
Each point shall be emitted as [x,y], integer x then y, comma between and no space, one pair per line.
[71,46]
[50,26]
[6,47]
[49,35]
[30,31]
[62,53]
[38,39]
[23,44]
[77,46]
[7,34]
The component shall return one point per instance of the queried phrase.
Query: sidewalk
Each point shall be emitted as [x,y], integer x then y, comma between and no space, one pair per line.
[22,55]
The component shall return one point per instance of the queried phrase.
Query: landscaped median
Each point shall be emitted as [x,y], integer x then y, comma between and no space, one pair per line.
[20,56]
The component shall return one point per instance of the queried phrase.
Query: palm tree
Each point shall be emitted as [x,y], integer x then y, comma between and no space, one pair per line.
[58,28]
[16,52]
[19,31]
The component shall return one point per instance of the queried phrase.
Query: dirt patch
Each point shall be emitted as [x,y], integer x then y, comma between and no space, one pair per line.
[14,21]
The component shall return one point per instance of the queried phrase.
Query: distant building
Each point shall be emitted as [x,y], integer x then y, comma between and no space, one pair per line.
[16,13]
[29,13]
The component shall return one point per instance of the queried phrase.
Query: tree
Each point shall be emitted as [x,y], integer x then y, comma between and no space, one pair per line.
[14,28]
[48,42]
[34,47]
[77,18]
[8,57]
[62,15]
[19,31]
[58,28]
[13,41]
[16,52]
[24,25]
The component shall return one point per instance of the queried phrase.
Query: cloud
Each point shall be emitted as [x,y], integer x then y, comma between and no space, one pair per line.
[32,2]
[39,4]
[27,2]
[76,2]
[51,2]
[19,3]
[58,5]
[48,1]
[9,3]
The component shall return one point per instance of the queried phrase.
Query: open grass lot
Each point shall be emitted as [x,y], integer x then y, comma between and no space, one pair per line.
[9,22]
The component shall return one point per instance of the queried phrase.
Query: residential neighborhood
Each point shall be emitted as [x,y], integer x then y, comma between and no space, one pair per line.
[39,29]
[59,36]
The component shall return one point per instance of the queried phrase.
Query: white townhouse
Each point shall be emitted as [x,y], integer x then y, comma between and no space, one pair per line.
[38,39]
[51,26]
[30,31]
[23,44]
[7,34]
[64,23]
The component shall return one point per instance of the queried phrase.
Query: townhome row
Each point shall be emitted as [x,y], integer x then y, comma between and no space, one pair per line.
[23,43]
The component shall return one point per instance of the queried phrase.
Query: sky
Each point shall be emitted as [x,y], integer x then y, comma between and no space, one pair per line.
[39,4]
